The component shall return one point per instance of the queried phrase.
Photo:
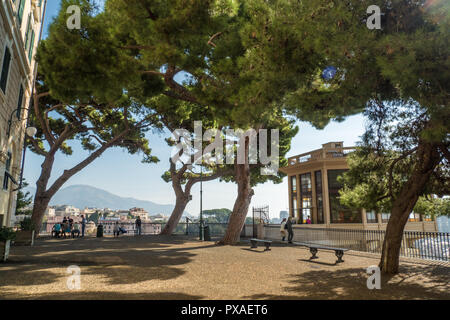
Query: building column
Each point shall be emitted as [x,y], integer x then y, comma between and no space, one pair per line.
[380,222]
[314,198]
[290,196]
[299,204]
[325,195]
[364,217]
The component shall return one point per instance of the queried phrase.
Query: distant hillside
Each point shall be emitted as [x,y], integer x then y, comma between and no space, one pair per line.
[81,196]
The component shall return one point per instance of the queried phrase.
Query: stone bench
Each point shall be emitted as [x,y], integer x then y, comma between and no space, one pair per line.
[254,242]
[313,248]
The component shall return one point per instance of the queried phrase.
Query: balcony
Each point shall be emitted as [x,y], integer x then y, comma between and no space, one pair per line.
[331,150]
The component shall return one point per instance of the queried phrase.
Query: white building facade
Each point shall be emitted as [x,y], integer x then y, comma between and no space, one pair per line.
[20,31]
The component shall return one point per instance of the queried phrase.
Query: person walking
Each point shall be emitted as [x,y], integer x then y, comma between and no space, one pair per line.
[289,229]
[138,225]
[283,228]
[116,229]
[83,225]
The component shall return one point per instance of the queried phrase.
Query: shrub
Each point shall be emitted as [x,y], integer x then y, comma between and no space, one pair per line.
[26,224]
[7,234]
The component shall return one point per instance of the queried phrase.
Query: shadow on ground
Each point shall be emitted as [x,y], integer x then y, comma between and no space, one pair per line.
[351,284]
[124,260]
[86,295]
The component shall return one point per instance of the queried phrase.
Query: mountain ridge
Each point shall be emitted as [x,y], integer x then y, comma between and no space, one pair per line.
[82,196]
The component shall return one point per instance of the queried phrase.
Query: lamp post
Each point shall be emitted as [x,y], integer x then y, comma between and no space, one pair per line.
[201,203]
[200,232]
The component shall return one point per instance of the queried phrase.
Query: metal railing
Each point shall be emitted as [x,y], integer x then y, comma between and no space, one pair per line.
[192,228]
[320,154]
[415,244]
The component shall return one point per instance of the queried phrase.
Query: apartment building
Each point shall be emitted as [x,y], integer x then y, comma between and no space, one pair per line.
[20,31]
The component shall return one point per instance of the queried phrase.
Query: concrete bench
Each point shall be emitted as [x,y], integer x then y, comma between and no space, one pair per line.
[313,248]
[254,242]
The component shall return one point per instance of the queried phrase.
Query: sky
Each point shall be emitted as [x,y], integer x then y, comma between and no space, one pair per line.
[123,174]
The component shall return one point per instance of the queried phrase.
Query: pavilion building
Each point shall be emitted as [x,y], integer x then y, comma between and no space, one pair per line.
[314,193]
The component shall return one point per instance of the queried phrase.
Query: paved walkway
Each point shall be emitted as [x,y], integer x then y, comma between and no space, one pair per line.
[154,267]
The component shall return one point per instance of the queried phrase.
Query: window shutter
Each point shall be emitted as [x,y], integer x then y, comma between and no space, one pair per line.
[7,169]
[20,102]
[20,11]
[27,34]
[30,50]
[5,70]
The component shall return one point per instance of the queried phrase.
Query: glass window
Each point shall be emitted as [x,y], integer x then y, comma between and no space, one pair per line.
[294,183]
[28,32]
[371,217]
[5,70]
[319,196]
[305,181]
[340,213]
[385,217]
[306,197]
[20,11]
[294,206]
[30,50]
[19,102]
[7,170]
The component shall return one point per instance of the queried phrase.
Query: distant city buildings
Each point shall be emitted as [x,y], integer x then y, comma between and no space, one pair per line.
[64,211]
[284,215]
[139,212]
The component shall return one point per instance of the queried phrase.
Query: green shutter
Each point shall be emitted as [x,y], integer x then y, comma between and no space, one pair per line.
[20,102]
[27,34]
[30,50]
[7,169]
[20,11]
[5,70]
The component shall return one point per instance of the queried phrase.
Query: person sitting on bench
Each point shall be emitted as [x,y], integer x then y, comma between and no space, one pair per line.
[76,230]
[56,230]
[122,229]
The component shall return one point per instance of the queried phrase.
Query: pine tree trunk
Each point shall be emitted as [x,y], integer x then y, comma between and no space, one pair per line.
[41,197]
[175,217]
[40,205]
[242,203]
[427,159]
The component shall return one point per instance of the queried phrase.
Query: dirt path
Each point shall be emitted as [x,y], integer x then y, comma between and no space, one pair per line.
[152,267]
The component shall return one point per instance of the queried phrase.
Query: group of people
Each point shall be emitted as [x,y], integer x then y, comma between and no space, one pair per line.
[117,230]
[286,228]
[69,227]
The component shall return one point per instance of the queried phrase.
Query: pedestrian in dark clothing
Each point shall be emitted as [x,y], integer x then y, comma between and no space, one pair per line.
[289,229]
[138,225]
[83,225]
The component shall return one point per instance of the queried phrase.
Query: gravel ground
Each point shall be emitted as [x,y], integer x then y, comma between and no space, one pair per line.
[155,267]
